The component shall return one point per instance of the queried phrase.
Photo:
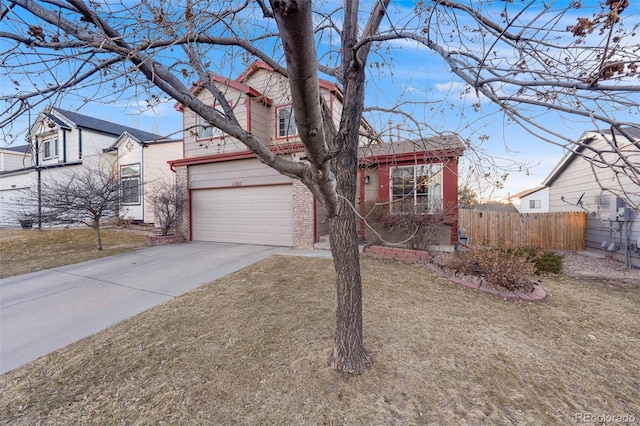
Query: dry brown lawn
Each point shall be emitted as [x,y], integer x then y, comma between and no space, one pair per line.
[251,348]
[23,251]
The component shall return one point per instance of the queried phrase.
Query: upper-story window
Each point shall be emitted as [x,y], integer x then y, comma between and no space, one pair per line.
[206,130]
[416,189]
[286,122]
[535,204]
[50,148]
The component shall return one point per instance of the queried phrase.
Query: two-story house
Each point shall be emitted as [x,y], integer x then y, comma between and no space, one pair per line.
[64,141]
[235,198]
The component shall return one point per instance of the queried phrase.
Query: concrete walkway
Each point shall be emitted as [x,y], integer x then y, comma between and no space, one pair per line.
[47,310]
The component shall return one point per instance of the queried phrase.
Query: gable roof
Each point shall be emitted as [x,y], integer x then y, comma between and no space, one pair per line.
[585,140]
[82,121]
[434,147]
[240,85]
[527,192]
[260,65]
[126,135]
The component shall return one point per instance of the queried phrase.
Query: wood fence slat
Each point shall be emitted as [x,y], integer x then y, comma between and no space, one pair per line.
[557,231]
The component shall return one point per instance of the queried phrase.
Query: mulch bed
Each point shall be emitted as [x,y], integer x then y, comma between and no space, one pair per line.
[423,257]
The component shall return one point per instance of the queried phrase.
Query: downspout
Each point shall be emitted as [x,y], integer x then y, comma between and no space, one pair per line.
[119,181]
[39,174]
[79,144]
[142,180]
[627,248]
[64,146]
[39,198]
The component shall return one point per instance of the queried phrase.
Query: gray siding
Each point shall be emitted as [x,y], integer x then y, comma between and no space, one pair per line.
[596,188]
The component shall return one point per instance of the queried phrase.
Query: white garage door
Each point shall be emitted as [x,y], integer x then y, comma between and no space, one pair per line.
[249,215]
[9,206]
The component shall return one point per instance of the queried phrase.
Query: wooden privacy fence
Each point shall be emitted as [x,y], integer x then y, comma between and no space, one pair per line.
[559,231]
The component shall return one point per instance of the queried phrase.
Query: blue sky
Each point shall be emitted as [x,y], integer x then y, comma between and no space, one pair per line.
[416,72]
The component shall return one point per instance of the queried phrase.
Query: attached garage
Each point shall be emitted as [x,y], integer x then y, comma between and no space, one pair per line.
[243,202]
[14,186]
[234,198]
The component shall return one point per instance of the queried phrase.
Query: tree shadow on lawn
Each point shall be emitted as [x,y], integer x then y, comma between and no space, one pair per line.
[252,348]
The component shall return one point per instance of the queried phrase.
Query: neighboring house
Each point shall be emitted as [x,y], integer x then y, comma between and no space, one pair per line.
[13,160]
[65,141]
[535,200]
[236,198]
[575,184]
[495,206]
[142,165]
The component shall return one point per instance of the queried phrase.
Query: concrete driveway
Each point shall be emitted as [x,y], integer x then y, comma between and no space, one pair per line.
[47,310]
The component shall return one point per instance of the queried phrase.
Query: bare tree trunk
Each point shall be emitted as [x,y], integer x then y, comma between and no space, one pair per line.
[349,355]
[96,228]
[295,24]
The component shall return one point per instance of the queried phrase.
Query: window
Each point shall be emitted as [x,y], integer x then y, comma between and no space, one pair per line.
[286,122]
[535,204]
[130,184]
[207,130]
[416,189]
[50,148]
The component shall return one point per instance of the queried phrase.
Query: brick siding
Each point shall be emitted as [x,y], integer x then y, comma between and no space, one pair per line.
[303,217]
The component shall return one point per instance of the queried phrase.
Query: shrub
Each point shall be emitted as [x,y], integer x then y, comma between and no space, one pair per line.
[544,261]
[506,269]
[548,261]
[168,199]
[463,262]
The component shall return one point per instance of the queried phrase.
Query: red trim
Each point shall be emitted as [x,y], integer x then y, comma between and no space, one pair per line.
[260,65]
[439,155]
[449,187]
[361,177]
[211,138]
[241,87]
[231,156]
[315,220]
[255,66]
[277,136]
[239,84]
[327,85]
[190,216]
[235,84]
[450,193]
